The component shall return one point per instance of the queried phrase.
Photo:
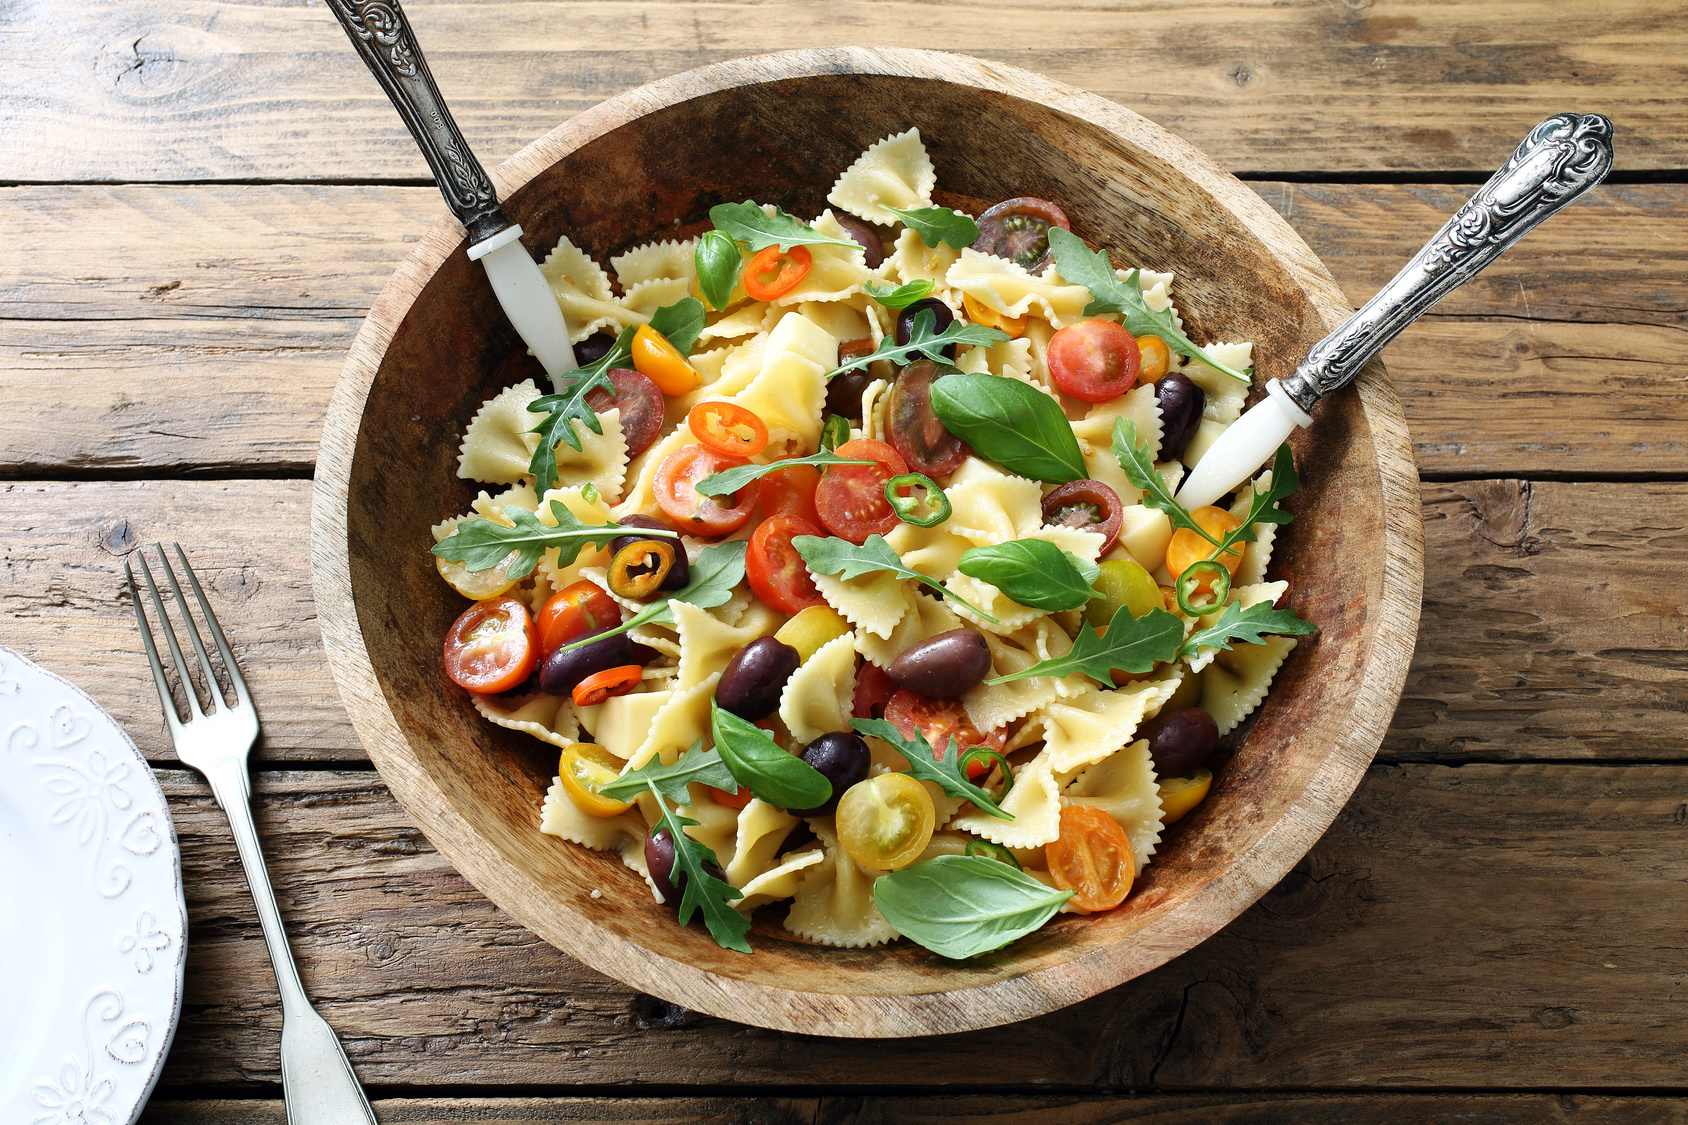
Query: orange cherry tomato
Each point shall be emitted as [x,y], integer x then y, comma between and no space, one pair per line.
[1091,857]
[1156,359]
[774,272]
[1187,547]
[1094,361]
[599,686]
[775,570]
[690,510]
[727,427]
[573,612]
[791,492]
[980,313]
[851,498]
[938,720]
[661,362]
[490,648]
[729,800]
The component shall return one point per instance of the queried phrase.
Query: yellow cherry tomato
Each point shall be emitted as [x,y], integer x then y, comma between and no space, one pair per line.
[477,584]
[885,822]
[585,768]
[661,362]
[1156,359]
[1187,547]
[980,313]
[811,628]
[1123,584]
[1181,794]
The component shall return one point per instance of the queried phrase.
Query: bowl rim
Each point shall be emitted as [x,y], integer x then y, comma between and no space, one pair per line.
[1207,910]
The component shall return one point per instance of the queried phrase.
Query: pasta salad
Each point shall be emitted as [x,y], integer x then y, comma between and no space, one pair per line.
[847,574]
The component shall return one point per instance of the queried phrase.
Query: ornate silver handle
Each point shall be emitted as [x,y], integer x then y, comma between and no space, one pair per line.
[383,38]
[1562,157]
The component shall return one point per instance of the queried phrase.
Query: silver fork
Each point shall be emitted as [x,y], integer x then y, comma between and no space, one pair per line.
[316,1077]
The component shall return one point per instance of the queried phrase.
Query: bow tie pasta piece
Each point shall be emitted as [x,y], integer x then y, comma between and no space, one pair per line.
[790,393]
[777,882]
[989,506]
[1224,396]
[1011,359]
[873,603]
[582,288]
[1243,596]
[762,828]
[933,551]
[1034,802]
[1257,556]
[653,260]
[601,460]
[818,696]
[546,717]
[1010,615]
[925,617]
[717,826]
[619,724]
[893,172]
[492,507]
[996,705]
[707,643]
[834,901]
[745,321]
[682,719]
[496,445]
[623,834]
[1237,680]
[1123,786]
[640,497]
[560,575]
[836,272]
[912,260]
[1095,433]
[646,297]
[876,411]
[1010,291]
[842,320]
[1093,724]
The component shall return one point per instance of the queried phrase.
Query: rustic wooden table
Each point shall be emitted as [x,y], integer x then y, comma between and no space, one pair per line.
[204,198]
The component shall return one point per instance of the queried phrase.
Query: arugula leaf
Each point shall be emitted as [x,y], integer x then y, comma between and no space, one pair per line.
[483,544]
[1247,626]
[759,764]
[1077,264]
[960,906]
[848,560]
[937,225]
[696,764]
[1131,644]
[747,222]
[1263,506]
[701,890]
[729,481]
[717,259]
[1012,423]
[717,570]
[923,341]
[1140,471]
[925,764]
[903,295]
[1033,572]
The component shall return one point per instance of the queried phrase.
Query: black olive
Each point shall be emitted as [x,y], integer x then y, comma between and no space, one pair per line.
[873,250]
[1180,741]
[944,666]
[593,348]
[680,573]
[752,681]
[659,861]
[843,759]
[942,319]
[1181,403]
[566,667]
[844,393]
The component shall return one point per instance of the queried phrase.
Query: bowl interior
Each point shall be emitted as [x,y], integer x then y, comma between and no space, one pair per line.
[784,142]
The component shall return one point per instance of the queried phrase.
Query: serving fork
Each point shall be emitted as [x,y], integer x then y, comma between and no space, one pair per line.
[317,1082]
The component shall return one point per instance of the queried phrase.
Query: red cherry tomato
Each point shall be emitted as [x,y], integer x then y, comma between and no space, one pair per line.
[773,272]
[490,648]
[938,720]
[573,612]
[775,570]
[640,403]
[679,499]
[599,686]
[914,428]
[1095,361]
[729,800]
[874,689]
[851,498]
[1088,505]
[792,492]
[727,427]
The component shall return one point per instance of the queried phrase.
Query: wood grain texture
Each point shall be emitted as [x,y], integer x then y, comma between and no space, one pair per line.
[1493,925]
[221,90]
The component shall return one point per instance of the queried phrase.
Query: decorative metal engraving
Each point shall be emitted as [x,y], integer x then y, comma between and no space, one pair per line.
[1562,157]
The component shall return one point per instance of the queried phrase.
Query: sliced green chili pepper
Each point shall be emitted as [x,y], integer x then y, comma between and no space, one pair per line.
[993,851]
[835,431]
[928,510]
[1192,578]
[988,754]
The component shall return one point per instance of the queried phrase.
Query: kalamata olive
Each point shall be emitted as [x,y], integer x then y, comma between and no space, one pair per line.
[866,234]
[680,573]
[659,861]
[1181,403]
[593,348]
[944,666]
[1088,505]
[843,759]
[751,683]
[844,392]
[913,426]
[566,667]
[942,318]
[640,403]
[1018,229]
[1180,741]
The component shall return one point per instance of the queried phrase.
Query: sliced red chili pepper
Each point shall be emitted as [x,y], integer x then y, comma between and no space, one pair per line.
[773,272]
[727,427]
[599,686]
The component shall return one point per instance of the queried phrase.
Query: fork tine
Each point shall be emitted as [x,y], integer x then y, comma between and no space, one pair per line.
[216,630]
[172,719]
[212,688]
[170,638]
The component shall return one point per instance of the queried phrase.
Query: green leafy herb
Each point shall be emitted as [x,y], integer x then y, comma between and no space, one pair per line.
[680,323]
[1140,471]
[717,570]
[990,850]
[1078,265]
[483,544]
[746,222]
[1246,625]
[1131,644]
[847,560]
[925,764]
[903,295]
[717,259]
[937,225]
[922,340]
[759,764]
[1263,506]
[704,767]
[729,481]
[1013,423]
[701,890]
[960,906]
[1033,572]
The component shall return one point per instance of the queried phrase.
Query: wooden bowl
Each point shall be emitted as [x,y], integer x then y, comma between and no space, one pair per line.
[649,164]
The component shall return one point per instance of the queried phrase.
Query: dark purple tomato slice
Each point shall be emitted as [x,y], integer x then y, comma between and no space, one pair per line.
[1018,229]
[640,403]
[914,429]
[866,234]
[1088,505]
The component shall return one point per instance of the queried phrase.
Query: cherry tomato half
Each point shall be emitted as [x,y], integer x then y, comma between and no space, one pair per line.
[980,313]
[1088,505]
[1091,857]
[640,403]
[885,822]
[939,720]
[1156,359]
[791,492]
[729,800]
[727,427]
[773,272]
[585,768]
[1187,547]
[1094,361]
[914,428]
[490,648]
[691,511]
[775,570]
[599,686]
[661,362]
[572,612]
[851,498]
[1018,229]
[874,689]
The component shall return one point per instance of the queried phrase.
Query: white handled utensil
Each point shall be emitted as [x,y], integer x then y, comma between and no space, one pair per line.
[1562,157]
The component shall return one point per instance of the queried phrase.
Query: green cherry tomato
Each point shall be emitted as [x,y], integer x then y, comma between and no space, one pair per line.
[1123,584]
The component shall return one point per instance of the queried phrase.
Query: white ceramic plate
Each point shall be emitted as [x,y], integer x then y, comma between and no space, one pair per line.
[93,929]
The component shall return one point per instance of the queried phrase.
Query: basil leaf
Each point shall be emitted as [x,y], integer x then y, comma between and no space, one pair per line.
[759,764]
[701,890]
[1131,644]
[697,764]
[903,295]
[960,906]
[482,544]
[746,222]
[849,560]
[1140,471]
[923,341]
[1247,626]
[680,323]
[717,570]
[1012,423]
[925,764]
[937,225]
[1078,265]
[729,481]
[717,259]
[1033,572]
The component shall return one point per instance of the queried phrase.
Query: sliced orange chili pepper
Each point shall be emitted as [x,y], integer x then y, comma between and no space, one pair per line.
[599,686]
[774,272]
[727,427]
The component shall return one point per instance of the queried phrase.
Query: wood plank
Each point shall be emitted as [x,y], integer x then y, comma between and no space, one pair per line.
[1513,925]
[219,90]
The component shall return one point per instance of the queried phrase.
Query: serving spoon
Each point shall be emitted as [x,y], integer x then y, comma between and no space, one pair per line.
[1561,159]
[382,36]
